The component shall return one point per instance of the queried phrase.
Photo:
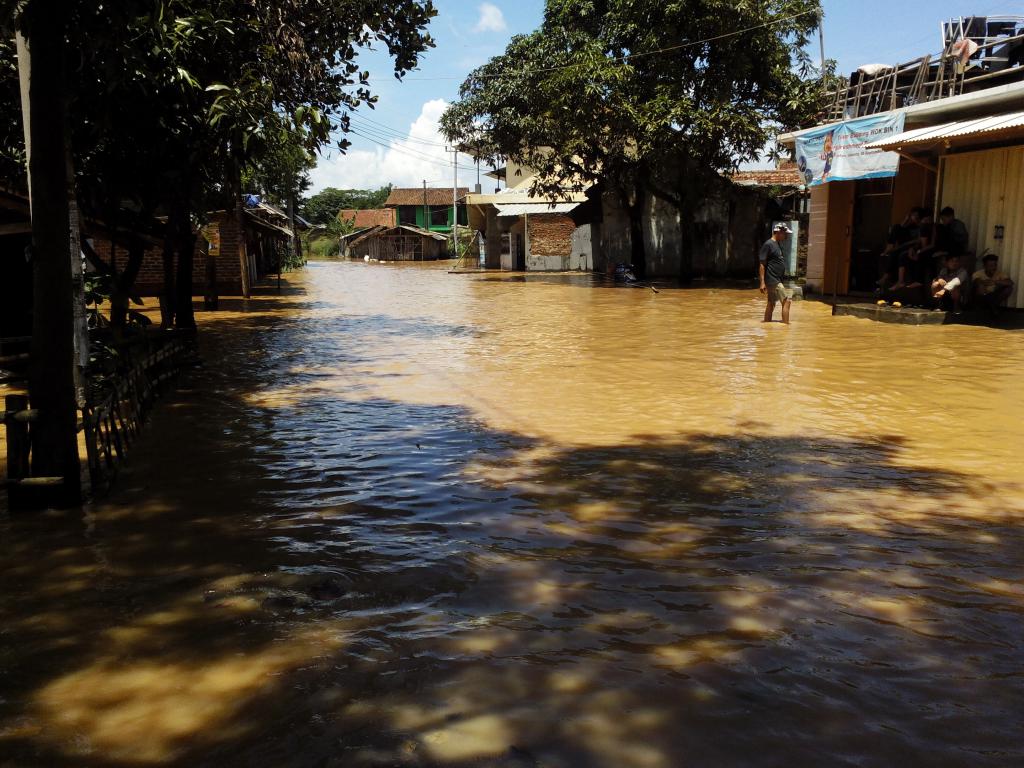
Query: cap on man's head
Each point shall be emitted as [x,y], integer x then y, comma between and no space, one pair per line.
[989,257]
[782,228]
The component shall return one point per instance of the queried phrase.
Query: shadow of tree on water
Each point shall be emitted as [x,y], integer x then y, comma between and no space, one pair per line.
[342,581]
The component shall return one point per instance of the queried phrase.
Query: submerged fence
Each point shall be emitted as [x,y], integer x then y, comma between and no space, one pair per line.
[109,421]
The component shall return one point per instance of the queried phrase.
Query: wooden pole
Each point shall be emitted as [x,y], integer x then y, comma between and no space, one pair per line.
[426,210]
[243,256]
[455,201]
[17,437]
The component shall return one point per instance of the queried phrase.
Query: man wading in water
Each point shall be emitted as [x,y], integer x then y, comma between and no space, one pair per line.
[772,269]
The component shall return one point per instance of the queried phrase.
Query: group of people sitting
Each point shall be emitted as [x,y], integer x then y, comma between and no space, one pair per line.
[923,265]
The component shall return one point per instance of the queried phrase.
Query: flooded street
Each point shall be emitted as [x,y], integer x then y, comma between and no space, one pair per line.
[407,518]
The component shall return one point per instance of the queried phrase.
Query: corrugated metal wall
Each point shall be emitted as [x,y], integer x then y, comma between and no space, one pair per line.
[987,190]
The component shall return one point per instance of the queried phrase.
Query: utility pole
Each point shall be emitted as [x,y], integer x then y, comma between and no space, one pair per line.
[455,200]
[426,210]
[821,41]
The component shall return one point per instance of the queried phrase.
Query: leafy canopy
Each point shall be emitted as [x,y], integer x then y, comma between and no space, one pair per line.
[323,207]
[605,90]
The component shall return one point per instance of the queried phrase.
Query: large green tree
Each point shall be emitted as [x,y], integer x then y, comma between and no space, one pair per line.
[323,207]
[645,97]
[157,106]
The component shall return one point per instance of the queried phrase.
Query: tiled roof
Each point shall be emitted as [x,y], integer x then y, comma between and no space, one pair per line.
[414,196]
[369,217]
[785,177]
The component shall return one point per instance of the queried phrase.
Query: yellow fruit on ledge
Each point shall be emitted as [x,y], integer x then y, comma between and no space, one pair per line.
[897,304]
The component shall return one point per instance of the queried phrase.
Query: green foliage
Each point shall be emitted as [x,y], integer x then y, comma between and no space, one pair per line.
[12,136]
[616,92]
[170,101]
[324,247]
[281,171]
[323,207]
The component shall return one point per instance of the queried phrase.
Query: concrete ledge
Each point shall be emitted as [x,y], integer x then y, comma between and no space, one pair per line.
[905,315]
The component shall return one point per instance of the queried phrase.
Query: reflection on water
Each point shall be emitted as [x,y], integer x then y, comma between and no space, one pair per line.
[410,518]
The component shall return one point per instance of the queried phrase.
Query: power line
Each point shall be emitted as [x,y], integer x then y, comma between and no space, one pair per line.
[382,127]
[388,142]
[629,56]
[413,153]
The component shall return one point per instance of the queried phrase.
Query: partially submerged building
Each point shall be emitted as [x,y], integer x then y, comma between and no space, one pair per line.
[527,232]
[430,208]
[401,243]
[942,130]
[734,218]
[258,242]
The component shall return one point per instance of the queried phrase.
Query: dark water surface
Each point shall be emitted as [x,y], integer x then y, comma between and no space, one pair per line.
[407,518]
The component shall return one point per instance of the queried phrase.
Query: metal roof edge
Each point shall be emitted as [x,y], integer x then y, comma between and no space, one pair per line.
[1011,93]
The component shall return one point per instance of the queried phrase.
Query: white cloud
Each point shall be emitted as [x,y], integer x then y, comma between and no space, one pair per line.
[491,19]
[403,162]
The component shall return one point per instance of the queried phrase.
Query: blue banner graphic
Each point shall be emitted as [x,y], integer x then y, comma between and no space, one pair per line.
[837,152]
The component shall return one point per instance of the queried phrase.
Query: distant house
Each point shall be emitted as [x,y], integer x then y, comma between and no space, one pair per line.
[527,232]
[369,217]
[429,208]
[401,243]
[221,249]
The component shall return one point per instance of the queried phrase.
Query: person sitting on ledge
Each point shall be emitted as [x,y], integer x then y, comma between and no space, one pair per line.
[948,287]
[953,233]
[992,288]
[948,236]
[901,237]
[910,283]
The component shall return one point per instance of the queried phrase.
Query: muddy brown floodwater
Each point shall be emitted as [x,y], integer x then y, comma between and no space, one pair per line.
[407,518]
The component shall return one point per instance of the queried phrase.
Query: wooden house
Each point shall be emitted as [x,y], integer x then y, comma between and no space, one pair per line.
[430,208]
[401,243]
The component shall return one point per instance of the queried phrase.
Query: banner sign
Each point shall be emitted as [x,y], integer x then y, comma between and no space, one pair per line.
[837,153]
[212,234]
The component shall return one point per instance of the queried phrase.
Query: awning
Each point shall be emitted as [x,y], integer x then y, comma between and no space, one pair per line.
[252,217]
[996,126]
[519,209]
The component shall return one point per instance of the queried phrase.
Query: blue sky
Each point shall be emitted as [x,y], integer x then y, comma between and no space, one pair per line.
[398,142]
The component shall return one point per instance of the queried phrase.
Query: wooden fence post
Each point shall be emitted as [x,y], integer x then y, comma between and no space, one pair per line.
[17,438]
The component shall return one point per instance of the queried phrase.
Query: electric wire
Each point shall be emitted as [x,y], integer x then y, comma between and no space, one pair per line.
[383,128]
[629,56]
[413,154]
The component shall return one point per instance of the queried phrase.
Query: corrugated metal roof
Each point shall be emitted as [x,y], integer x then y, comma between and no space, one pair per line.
[263,223]
[1013,121]
[519,209]
[420,231]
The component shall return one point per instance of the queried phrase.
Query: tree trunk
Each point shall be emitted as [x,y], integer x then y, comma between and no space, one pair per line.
[686,242]
[168,295]
[124,282]
[638,249]
[296,243]
[52,369]
[186,241]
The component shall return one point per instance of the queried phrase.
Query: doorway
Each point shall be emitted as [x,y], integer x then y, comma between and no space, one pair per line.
[872,214]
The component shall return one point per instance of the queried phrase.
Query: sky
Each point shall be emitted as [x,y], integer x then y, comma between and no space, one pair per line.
[399,143]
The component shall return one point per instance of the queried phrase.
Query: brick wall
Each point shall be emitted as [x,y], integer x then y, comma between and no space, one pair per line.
[150,281]
[551,234]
